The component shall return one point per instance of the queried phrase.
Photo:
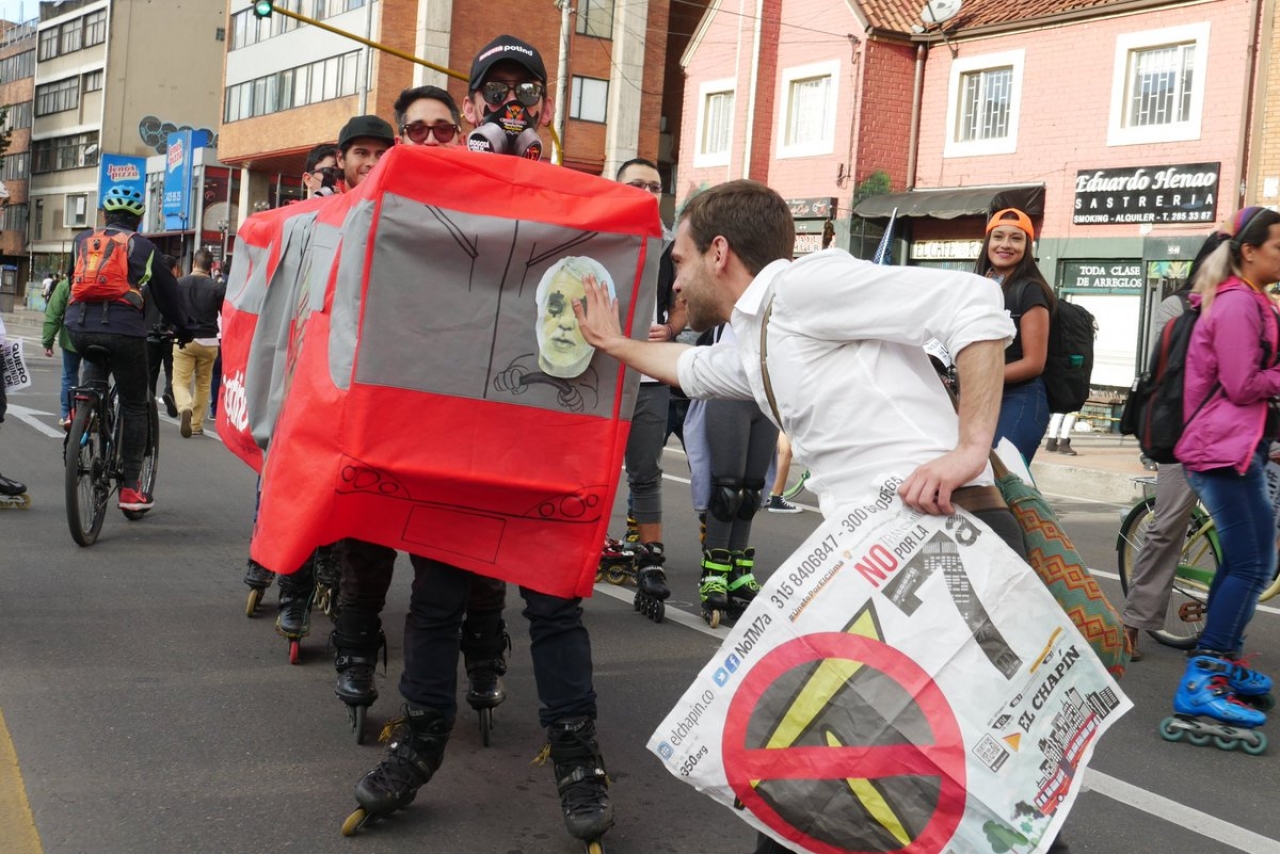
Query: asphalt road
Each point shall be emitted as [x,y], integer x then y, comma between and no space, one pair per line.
[148,715]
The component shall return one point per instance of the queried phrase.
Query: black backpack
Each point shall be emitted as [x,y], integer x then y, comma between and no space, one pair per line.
[1153,411]
[1069,364]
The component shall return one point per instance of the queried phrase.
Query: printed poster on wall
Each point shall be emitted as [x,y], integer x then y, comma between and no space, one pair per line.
[120,170]
[903,683]
[177,180]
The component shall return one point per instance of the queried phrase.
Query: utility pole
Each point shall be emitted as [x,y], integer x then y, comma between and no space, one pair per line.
[562,78]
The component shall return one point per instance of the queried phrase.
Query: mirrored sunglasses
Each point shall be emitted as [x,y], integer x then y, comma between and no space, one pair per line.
[495,93]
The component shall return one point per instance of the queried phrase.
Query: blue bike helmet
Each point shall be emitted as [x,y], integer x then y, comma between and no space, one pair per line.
[125,199]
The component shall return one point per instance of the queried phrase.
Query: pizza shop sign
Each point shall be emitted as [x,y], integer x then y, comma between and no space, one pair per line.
[1147,194]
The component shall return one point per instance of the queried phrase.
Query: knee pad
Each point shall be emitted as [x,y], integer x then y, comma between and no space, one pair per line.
[726,498]
[752,490]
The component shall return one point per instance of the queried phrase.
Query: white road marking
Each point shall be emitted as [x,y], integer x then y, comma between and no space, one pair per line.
[28,417]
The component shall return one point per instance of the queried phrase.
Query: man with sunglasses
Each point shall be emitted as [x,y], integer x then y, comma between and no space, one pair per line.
[428,115]
[506,118]
[320,175]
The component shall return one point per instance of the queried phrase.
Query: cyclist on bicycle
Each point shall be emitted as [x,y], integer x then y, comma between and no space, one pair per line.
[111,264]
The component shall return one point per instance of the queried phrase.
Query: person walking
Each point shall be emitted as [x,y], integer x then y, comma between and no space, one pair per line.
[193,362]
[55,327]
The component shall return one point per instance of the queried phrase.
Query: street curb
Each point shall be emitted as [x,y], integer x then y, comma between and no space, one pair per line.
[1093,484]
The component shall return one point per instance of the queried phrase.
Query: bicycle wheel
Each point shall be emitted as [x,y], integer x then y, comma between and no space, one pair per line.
[1189,592]
[150,461]
[88,482]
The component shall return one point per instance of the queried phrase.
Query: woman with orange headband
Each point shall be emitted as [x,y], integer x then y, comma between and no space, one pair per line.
[1006,257]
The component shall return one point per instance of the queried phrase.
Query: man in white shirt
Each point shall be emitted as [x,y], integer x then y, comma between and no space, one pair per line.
[847,377]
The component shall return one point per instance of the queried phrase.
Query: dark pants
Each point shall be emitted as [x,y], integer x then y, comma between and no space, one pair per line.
[215,385]
[560,645]
[160,354]
[128,364]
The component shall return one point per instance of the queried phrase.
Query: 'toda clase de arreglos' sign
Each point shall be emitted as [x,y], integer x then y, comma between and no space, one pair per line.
[1155,194]
[1108,276]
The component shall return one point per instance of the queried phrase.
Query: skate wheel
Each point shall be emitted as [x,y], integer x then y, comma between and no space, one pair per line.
[354,822]
[599,575]
[486,725]
[659,611]
[636,603]
[616,575]
[714,620]
[1199,739]
[1255,748]
[295,652]
[356,717]
[595,846]
[1169,732]
[1224,743]
[251,606]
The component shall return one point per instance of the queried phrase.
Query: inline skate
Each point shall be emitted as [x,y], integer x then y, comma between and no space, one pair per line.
[651,582]
[743,586]
[13,495]
[618,562]
[328,575]
[1210,705]
[357,640]
[259,578]
[415,750]
[713,590]
[485,643]
[293,622]
[581,780]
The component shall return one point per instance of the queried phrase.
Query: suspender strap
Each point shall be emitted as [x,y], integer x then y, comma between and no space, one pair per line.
[764,362]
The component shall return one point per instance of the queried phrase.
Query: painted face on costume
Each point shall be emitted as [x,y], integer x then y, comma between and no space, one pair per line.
[1007,247]
[694,282]
[562,351]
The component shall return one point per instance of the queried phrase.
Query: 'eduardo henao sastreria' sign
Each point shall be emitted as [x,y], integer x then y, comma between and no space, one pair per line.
[1184,193]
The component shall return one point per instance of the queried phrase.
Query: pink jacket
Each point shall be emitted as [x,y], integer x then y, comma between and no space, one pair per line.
[1226,347]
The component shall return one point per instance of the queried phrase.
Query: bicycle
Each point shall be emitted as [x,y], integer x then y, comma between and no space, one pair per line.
[94,458]
[1198,562]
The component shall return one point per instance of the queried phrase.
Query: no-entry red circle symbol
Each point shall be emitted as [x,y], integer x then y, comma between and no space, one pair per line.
[941,758]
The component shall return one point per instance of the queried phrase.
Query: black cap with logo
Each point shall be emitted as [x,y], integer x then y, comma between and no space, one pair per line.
[506,49]
[365,126]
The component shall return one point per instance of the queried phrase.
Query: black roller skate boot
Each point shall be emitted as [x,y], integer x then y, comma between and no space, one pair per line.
[581,779]
[415,749]
[651,582]
[294,619]
[484,648]
[713,590]
[328,575]
[357,640]
[743,586]
[13,495]
[259,578]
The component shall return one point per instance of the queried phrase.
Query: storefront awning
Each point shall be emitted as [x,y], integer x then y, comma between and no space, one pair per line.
[952,202]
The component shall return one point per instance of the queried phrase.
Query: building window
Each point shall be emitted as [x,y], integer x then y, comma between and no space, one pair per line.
[93,81]
[352,4]
[589,100]
[595,18]
[72,36]
[808,110]
[17,116]
[715,123]
[17,166]
[64,152]
[984,102]
[48,43]
[335,77]
[37,220]
[15,217]
[1157,90]
[58,97]
[95,28]
[76,213]
[18,66]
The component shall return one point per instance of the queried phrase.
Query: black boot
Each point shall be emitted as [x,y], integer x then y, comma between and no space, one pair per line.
[580,777]
[258,576]
[296,591]
[415,750]
[1051,445]
[1064,447]
[650,578]
[484,647]
[357,640]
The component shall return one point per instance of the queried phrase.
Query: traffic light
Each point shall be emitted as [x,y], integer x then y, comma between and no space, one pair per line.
[262,8]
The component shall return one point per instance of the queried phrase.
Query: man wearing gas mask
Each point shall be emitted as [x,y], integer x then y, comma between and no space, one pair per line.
[507,99]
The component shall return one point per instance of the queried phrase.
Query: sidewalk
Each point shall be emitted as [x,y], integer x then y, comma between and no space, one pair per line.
[1102,470]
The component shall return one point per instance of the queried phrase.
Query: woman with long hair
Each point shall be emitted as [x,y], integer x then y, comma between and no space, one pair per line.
[1006,257]
[1232,379]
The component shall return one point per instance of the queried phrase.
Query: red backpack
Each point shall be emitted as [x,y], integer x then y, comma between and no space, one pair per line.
[102,270]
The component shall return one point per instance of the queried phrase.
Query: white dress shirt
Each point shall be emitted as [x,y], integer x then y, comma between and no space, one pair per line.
[856,392]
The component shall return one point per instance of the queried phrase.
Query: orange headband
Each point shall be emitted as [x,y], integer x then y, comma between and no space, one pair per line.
[1020,220]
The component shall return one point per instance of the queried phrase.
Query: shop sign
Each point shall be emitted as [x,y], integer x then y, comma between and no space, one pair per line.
[946,250]
[812,208]
[807,243]
[1102,275]
[1155,194]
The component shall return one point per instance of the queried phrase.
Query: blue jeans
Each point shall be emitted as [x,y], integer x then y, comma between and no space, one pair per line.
[70,379]
[1024,416]
[1246,531]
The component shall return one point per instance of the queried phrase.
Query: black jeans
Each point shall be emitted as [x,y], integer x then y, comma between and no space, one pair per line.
[128,364]
[160,354]
[560,645]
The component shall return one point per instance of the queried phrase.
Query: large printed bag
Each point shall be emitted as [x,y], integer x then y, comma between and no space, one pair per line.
[902,683]
[1054,558]
[438,396]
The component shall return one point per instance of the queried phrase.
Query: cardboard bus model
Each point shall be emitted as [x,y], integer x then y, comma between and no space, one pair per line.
[439,397]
